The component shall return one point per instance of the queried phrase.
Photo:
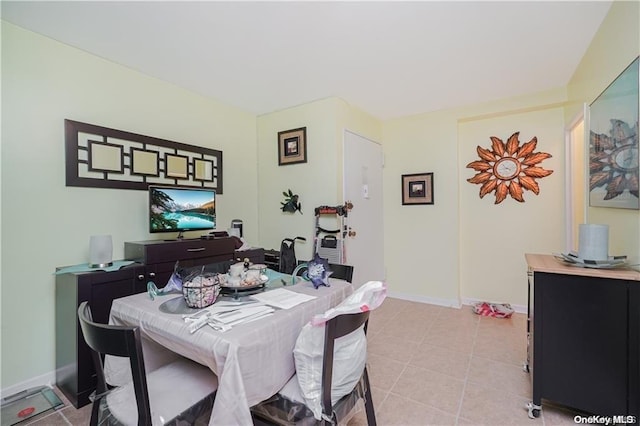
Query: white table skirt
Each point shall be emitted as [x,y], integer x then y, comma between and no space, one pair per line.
[252,361]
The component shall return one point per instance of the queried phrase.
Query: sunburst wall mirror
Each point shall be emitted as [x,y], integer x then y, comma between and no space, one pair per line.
[509,168]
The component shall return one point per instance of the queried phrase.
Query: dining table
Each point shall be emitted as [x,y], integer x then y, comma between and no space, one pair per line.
[252,360]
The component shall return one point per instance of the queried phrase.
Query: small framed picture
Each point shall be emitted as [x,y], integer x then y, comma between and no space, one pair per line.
[292,146]
[417,188]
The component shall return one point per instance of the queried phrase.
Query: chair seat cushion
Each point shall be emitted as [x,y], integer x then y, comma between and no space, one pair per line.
[173,390]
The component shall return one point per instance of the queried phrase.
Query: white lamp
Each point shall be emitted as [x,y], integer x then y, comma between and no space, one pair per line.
[100,251]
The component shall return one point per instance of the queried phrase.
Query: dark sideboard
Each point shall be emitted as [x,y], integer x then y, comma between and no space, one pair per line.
[584,338]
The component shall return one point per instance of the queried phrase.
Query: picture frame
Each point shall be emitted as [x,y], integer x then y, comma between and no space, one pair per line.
[417,189]
[292,146]
[613,143]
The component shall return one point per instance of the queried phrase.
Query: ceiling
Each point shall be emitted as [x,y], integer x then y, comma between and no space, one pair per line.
[389,59]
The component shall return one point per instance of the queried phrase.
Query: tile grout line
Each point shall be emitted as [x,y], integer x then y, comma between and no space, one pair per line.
[466,376]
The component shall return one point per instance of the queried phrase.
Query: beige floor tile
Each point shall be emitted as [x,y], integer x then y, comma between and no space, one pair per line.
[431,388]
[484,404]
[397,410]
[383,372]
[405,330]
[499,375]
[459,314]
[458,323]
[504,348]
[442,360]
[391,307]
[78,417]
[391,347]
[460,340]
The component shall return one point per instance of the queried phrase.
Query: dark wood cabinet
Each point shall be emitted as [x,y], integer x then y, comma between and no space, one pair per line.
[75,374]
[159,257]
[255,255]
[584,337]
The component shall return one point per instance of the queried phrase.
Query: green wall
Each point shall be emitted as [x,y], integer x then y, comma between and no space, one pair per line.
[46,224]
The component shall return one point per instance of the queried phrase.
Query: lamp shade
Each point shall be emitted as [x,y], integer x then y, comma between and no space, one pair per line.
[100,251]
[593,241]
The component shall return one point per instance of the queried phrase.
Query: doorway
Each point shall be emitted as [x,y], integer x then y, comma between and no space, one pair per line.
[362,171]
[575,179]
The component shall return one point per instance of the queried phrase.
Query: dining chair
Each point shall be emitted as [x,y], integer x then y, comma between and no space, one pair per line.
[340,271]
[287,407]
[180,392]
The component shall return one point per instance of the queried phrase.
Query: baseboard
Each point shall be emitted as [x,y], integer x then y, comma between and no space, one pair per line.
[47,379]
[521,309]
[449,303]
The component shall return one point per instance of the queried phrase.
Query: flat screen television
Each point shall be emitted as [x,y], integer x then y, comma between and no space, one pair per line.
[180,209]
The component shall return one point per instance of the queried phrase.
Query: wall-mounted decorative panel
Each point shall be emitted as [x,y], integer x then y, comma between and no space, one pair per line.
[108,158]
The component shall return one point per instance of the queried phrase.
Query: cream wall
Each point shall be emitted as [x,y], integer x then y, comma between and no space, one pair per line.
[494,237]
[318,181]
[421,241]
[46,224]
[466,248]
[615,46]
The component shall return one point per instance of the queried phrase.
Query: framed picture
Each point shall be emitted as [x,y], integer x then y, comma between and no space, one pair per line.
[417,188]
[613,143]
[292,146]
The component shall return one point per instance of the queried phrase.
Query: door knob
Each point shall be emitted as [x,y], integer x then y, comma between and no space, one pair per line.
[352,233]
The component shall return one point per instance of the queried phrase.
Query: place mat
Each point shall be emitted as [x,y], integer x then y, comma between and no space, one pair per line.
[177,305]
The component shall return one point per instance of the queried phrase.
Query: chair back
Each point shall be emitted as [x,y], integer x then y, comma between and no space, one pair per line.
[335,328]
[343,272]
[340,271]
[121,341]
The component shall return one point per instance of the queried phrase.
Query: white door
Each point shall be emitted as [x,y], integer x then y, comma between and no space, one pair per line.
[363,187]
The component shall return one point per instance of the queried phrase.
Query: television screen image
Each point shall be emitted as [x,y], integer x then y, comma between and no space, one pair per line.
[177,209]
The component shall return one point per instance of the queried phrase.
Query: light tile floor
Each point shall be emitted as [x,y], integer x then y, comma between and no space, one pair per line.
[431,365]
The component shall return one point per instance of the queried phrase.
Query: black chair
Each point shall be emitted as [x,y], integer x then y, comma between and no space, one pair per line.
[280,410]
[343,272]
[340,271]
[177,393]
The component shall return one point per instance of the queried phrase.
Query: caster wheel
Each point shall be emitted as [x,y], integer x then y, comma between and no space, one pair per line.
[534,410]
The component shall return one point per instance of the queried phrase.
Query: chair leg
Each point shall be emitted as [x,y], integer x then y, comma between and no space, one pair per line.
[368,401]
[94,413]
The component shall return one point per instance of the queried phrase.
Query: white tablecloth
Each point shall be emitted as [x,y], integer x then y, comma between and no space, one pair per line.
[252,361]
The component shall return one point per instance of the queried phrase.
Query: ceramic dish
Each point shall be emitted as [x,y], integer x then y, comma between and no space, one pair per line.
[244,284]
[573,259]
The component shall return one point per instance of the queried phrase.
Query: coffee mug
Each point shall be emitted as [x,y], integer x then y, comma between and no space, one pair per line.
[253,274]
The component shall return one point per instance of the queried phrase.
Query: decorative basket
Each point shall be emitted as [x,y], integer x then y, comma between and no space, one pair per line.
[201,290]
